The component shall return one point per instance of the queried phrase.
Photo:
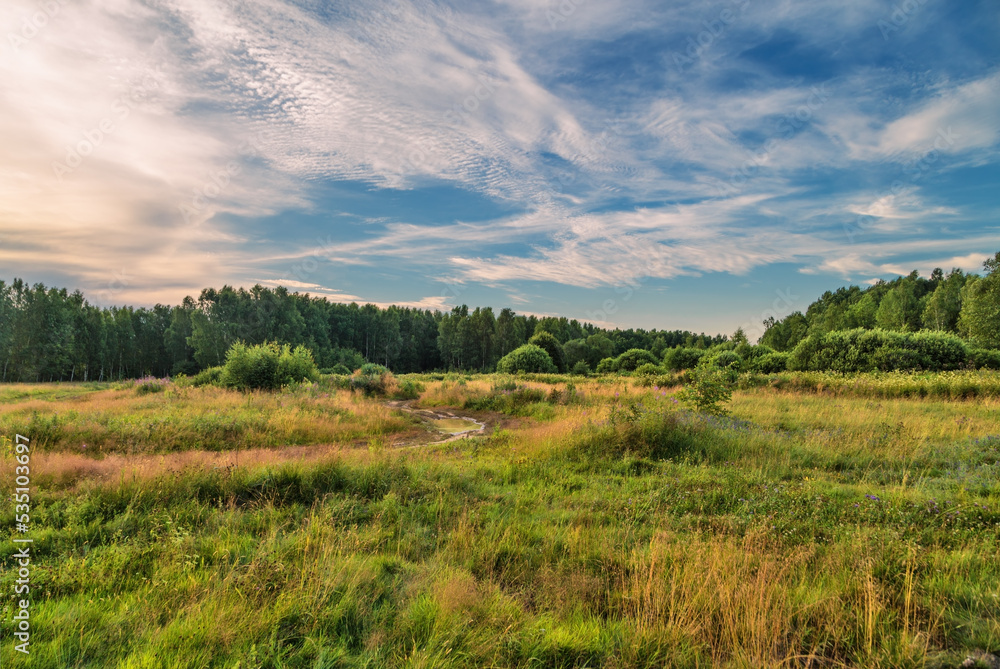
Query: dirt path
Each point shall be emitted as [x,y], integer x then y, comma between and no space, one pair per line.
[428,417]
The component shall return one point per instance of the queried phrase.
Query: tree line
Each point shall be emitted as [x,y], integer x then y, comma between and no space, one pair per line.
[51,334]
[967,305]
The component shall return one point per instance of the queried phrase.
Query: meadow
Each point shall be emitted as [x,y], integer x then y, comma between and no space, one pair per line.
[827,521]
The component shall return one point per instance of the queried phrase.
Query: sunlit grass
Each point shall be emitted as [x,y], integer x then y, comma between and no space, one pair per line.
[804,530]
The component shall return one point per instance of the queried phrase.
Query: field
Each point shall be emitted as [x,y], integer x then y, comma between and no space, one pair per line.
[593,523]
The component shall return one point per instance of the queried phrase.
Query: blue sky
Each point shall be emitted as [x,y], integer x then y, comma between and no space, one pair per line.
[691,165]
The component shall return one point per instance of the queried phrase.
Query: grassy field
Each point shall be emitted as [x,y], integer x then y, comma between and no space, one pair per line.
[595,523]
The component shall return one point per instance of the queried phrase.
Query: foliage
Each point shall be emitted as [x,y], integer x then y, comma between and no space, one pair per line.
[633,358]
[648,369]
[863,350]
[770,363]
[980,314]
[550,345]
[267,366]
[527,358]
[150,384]
[373,379]
[676,359]
[607,366]
[211,376]
[581,368]
[511,398]
[709,387]
[807,530]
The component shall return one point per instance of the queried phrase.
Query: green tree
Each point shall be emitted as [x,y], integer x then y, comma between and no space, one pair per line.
[979,319]
[528,358]
[550,345]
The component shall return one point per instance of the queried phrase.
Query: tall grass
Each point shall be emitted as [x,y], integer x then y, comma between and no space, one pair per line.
[616,531]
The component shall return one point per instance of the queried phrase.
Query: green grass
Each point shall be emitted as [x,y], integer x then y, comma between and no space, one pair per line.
[614,531]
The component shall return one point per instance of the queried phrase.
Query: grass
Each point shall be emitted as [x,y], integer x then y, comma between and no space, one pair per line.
[602,527]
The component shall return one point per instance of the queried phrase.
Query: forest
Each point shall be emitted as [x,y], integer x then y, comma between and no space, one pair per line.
[51,334]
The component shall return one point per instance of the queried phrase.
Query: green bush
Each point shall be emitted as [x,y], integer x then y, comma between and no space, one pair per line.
[550,345]
[508,397]
[726,360]
[407,389]
[528,358]
[581,368]
[372,379]
[207,377]
[648,369]
[634,358]
[677,359]
[863,350]
[267,366]
[984,358]
[772,363]
[607,366]
[709,386]
[635,431]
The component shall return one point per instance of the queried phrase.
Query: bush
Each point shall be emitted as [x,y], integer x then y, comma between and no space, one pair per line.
[634,358]
[636,431]
[267,366]
[207,377]
[150,384]
[339,369]
[677,359]
[726,360]
[508,397]
[528,358]
[581,368]
[772,363]
[607,366]
[372,379]
[709,387]
[983,358]
[863,350]
[648,369]
[550,345]
[407,389]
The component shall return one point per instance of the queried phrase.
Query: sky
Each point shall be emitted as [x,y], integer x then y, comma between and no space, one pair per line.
[674,165]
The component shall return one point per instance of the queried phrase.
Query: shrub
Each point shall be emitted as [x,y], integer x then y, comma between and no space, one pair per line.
[727,360]
[607,366]
[150,384]
[372,379]
[516,400]
[550,345]
[207,377]
[581,368]
[648,369]
[339,368]
[983,358]
[267,366]
[677,359]
[709,386]
[407,389]
[528,358]
[863,350]
[634,358]
[772,363]
[636,431]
